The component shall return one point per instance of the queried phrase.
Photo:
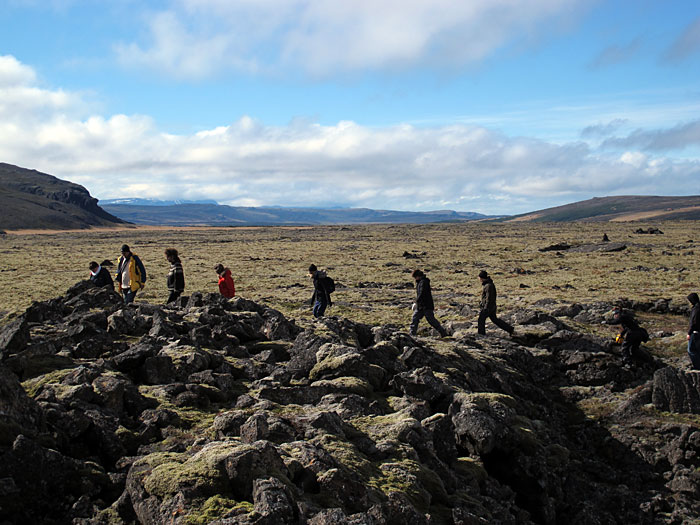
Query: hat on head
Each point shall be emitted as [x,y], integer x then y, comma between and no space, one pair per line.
[312,268]
[483,274]
[125,248]
[219,268]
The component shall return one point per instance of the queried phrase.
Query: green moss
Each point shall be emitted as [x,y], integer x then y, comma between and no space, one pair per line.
[383,427]
[32,386]
[171,472]
[215,508]
[421,485]
[349,384]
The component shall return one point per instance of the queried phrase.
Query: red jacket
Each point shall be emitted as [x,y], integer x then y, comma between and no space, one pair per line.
[226,286]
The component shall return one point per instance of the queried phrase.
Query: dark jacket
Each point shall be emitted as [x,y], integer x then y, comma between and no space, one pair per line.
[102,278]
[320,292]
[176,277]
[631,331]
[488,295]
[424,296]
[694,324]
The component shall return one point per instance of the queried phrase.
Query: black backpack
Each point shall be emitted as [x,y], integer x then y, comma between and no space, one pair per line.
[329,284]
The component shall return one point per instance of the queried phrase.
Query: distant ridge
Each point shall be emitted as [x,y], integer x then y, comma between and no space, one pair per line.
[30,199]
[617,209]
[222,215]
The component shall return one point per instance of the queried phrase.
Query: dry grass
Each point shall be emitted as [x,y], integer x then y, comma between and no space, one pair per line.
[269,264]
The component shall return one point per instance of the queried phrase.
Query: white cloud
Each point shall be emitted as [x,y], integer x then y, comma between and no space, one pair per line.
[247,162]
[198,38]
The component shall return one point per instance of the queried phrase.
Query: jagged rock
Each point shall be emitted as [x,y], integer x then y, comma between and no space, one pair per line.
[676,391]
[255,428]
[273,501]
[422,384]
[14,336]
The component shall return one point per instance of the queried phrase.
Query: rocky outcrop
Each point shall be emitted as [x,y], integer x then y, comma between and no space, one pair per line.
[224,411]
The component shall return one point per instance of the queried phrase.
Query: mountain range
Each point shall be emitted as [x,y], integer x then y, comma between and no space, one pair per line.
[30,199]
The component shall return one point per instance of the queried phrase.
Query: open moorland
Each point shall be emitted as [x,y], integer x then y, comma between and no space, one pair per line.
[372,264]
[249,411]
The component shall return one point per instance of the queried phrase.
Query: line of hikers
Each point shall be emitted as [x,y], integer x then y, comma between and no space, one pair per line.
[131,277]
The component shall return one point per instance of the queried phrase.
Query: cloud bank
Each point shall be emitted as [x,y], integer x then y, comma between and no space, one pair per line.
[463,167]
[199,38]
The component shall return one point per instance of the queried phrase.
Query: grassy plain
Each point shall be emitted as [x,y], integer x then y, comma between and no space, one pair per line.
[372,275]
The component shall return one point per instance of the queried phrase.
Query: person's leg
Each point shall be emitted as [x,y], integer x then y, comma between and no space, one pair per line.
[694,351]
[481,323]
[417,316]
[430,317]
[320,308]
[173,296]
[500,323]
[129,296]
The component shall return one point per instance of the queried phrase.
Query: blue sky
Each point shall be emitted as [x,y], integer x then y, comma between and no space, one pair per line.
[495,106]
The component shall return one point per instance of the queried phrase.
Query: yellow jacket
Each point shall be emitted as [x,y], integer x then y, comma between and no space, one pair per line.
[137,272]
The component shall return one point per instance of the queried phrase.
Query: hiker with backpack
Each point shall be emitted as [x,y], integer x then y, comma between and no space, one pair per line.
[488,306]
[324,286]
[631,335]
[694,331]
[424,305]
[176,275]
[131,274]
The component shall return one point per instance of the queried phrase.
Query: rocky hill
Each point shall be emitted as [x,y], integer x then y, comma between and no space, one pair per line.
[224,411]
[622,208]
[30,199]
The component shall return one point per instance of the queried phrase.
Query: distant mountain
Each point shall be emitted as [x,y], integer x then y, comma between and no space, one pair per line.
[30,199]
[134,201]
[221,215]
[622,208]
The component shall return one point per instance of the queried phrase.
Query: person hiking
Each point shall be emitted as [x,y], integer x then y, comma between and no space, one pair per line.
[100,276]
[631,334]
[176,275]
[323,287]
[131,274]
[424,306]
[488,305]
[694,331]
[226,284]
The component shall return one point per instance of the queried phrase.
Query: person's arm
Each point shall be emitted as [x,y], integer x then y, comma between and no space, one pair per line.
[142,269]
[179,279]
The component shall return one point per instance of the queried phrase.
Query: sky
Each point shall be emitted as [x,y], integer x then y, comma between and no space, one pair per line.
[491,106]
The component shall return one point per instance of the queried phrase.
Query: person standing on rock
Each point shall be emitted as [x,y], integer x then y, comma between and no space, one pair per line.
[694,331]
[321,299]
[631,334]
[176,275]
[100,276]
[131,274]
[226,285]
[488,305]
[424,306]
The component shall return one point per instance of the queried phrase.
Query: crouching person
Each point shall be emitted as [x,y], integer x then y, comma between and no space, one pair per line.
[631,335]
[226,285]
[424,306]
[100,276]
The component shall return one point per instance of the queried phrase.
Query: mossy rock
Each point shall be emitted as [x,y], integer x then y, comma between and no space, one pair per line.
[346,384]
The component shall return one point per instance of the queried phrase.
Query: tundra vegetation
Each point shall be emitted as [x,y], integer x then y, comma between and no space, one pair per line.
[250,411]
